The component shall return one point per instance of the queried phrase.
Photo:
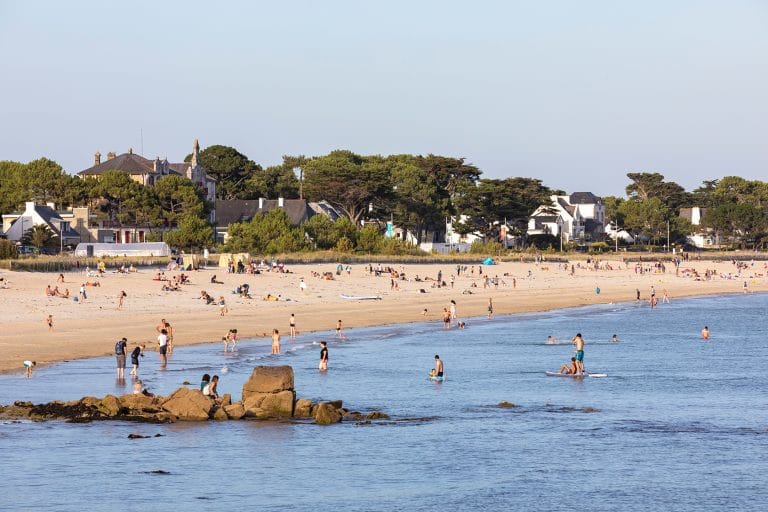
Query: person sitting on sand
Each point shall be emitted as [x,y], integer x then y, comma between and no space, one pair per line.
[570,369]
[214,281]
[48,291]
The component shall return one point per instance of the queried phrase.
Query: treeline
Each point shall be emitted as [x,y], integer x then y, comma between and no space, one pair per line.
[173,201]
[417,192]
[736,209]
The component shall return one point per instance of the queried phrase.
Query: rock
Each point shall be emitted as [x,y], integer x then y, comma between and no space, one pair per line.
[189,405]
[253,401]
[268,379]
[302,408]
[226,399]
[336,404]
[109,406]
[279,405]
[376,415]
[234,411]
[256,413]
[505,404]
[220,415]
[140,403]
[137,436]
[326,414]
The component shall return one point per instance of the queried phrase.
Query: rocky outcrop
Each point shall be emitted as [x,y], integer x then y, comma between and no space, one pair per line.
[268,394]
[189,405]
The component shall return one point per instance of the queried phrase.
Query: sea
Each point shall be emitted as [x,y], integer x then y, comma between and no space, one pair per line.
[677,423]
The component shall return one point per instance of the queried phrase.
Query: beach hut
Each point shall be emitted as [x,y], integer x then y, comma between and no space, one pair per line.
[147,249]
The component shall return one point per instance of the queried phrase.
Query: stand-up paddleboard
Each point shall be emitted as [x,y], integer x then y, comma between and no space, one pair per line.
[359,297]
[575,375]
[437,379]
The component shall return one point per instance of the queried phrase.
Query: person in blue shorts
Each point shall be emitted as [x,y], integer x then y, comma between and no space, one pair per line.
[579,342]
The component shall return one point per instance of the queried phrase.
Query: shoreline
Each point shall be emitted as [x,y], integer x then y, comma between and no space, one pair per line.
[89,329]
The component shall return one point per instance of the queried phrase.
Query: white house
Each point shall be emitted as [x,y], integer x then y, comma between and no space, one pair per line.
[15,225]
[578,217]
[623,235]
[700,237]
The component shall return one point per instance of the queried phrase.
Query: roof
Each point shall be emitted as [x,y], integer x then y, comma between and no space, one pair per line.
[51,218]
[240,210]
[127,162]
[584,198]
[326,208]
[567,207]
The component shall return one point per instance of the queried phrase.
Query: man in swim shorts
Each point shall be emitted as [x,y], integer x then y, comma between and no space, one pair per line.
[579,342]
[438,366]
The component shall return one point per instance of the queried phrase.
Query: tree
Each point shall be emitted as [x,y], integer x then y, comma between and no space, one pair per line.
[266,233]
[652,185]
[230,168]
[13,191]
[349,182]
[192,233]
[273,182]
[40,236]
[740,221]
[179,197]
[127,201]
[612,205]
[493,200]
[648,217]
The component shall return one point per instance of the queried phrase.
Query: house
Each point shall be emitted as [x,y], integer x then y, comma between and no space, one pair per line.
[15,225]
[148,172]
[700,237]
[579,217]
[242,210]
[622,234]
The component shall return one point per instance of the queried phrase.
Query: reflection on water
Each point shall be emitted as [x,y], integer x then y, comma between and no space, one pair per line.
[677,420]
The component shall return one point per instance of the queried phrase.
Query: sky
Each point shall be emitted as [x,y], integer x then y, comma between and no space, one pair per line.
[576,94]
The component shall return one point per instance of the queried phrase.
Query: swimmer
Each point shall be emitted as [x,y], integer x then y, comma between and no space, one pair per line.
[705,333]
[614,339]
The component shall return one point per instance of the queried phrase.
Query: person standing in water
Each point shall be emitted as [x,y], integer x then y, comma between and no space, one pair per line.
[323,356]
[292,324]
[137,352]
[579,342]
[705,333]
[120,357]
[439,368]
[275,341]
[162,341]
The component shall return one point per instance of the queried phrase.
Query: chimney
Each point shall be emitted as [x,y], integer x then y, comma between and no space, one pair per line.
[280,202]
[29,208]
[195,161]
[97,158]
[52,206]
[111,155]
[130,151]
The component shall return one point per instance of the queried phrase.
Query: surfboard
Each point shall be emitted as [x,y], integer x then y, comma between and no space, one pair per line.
[575,376]
[437,379]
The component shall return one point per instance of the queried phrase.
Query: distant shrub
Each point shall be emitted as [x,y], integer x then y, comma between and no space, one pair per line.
[8,250]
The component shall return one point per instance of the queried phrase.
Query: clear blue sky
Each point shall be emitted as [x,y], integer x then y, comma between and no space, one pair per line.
[577,93]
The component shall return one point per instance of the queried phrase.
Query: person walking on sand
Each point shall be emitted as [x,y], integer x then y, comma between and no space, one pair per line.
[302,285]
[137,352]
[49,321]
[292,324]
[222,306]
[705,333]
[83,295]
[120,357]
[579,342]
[323,356]
[162,341]
[275,342]
[121,299]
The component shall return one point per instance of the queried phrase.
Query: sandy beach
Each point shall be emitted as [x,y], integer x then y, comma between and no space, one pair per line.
[90,328]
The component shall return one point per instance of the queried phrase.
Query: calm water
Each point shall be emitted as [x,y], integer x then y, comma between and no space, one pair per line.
[680,424]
